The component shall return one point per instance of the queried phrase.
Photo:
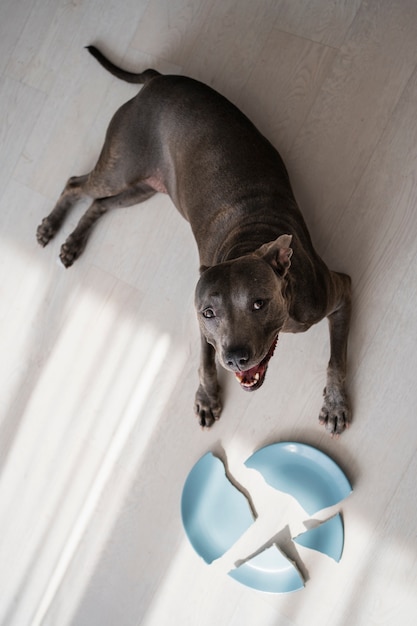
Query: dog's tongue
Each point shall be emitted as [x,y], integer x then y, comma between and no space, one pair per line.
[253,377]
[250,377]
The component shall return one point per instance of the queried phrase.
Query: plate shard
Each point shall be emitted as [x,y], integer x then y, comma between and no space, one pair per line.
[304,472]
[269,571]
[327,538]
[215,514]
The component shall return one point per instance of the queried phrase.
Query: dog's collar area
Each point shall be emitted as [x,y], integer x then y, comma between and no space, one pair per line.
[253,378]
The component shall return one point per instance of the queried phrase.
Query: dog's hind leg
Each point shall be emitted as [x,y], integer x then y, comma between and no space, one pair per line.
[76,242]
[74,191]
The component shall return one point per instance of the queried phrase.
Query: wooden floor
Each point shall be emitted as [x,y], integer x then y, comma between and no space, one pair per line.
[98,362]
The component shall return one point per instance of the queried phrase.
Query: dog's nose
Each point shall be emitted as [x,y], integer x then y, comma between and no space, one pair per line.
[237,359]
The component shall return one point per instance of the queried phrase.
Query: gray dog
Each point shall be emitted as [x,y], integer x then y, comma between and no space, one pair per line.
[260,274]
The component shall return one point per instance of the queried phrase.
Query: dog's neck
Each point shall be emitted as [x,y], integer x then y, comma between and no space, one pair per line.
[241,241]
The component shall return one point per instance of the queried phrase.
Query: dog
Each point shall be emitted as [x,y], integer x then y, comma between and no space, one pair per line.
[259,272]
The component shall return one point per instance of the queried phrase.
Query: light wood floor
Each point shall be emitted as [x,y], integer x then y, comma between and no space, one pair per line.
[98,362]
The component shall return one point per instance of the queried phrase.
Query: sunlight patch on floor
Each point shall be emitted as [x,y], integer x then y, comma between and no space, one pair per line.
[91,395]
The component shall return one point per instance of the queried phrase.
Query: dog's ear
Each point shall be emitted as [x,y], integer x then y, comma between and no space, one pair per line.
[277,253]
[204,268]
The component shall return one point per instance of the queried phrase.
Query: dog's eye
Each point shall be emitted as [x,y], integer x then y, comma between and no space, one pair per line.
[208,313]
[258,304]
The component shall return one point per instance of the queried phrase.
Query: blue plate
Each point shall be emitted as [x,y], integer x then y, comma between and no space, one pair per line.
[215,514]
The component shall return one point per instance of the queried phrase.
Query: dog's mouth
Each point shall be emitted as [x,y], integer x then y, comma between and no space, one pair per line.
[253,378]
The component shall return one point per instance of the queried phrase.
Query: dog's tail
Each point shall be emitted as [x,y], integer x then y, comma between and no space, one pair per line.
[129,77]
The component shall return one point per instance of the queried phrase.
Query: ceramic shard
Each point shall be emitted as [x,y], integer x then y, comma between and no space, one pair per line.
[269,571]
[327,538]
[215,513]
[306,473]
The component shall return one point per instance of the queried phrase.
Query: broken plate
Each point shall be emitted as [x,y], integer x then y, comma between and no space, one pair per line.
[214,513]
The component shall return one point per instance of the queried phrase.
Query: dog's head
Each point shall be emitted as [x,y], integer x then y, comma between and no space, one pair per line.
[241,307]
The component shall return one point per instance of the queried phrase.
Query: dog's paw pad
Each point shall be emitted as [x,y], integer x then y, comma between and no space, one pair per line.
[335,414]
[45,232]
[71,250]
[67,255]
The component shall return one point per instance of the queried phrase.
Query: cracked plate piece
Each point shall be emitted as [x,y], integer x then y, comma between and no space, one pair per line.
[304,472]
[270,571]
[214,513]
[327,538]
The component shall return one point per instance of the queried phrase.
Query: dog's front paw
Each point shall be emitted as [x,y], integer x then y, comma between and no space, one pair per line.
[207,407]
[335,413]
[71,250]
[46,231]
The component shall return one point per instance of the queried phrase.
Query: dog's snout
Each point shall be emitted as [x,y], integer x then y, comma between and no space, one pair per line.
[237,358]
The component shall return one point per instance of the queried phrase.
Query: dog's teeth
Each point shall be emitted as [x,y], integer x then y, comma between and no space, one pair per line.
[245,383]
